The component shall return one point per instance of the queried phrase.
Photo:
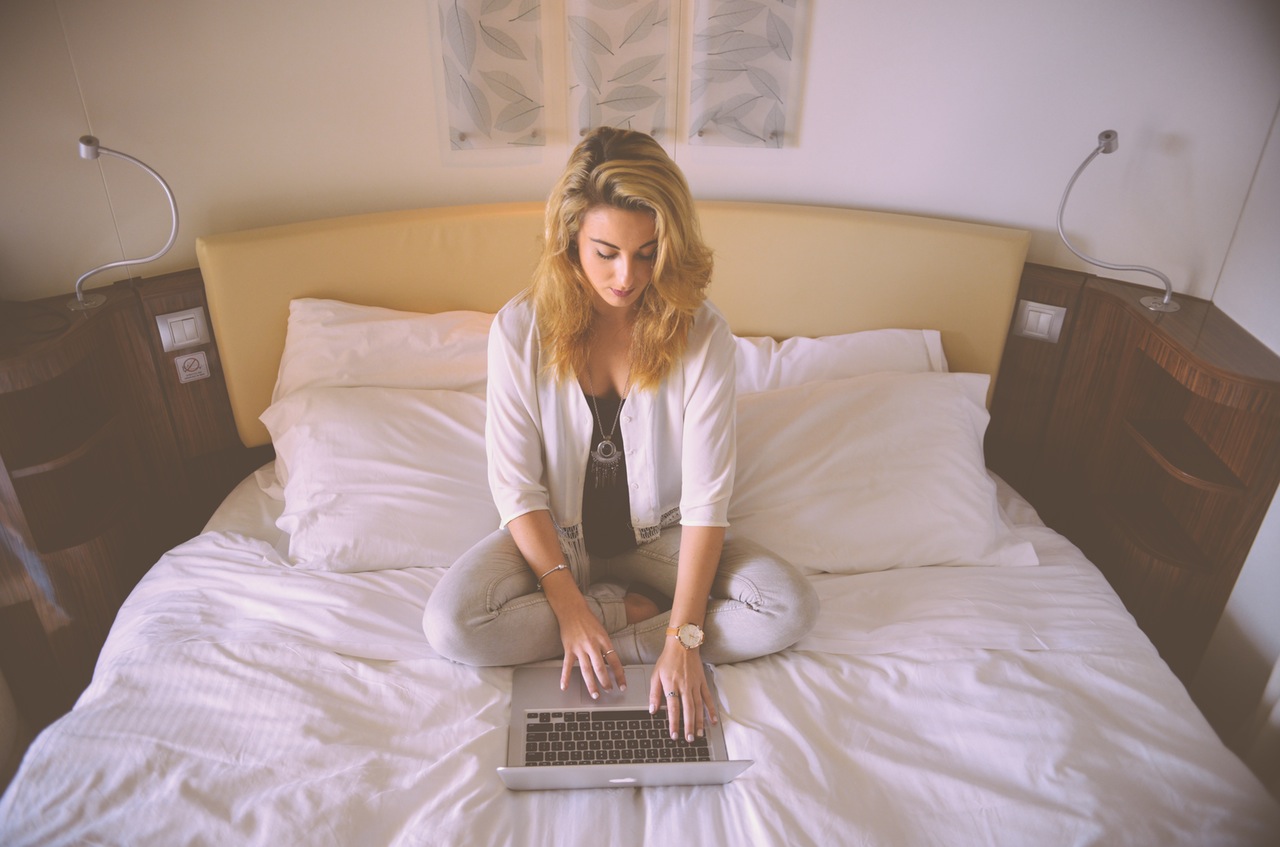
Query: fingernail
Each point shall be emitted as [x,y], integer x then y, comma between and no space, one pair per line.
[622,687]
[690,737]
[595,695]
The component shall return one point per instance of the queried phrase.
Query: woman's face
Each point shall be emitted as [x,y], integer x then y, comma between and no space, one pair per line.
[616,248]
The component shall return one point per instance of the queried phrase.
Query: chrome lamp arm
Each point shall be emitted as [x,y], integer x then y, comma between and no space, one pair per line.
[1108,141]
[91,149]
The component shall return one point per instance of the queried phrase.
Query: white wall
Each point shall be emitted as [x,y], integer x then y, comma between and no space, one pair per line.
[267,112]
[1247,641]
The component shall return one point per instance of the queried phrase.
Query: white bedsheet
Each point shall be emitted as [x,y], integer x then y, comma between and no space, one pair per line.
[240,702]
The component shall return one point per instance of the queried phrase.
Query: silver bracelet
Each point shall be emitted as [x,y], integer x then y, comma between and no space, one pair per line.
[560,567]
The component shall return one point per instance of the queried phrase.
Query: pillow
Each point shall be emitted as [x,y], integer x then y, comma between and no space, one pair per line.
[871,473]
[332,343]
[765,364]
[381,478]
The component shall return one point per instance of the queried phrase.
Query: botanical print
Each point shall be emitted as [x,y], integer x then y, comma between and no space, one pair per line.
[744,69]
[623,66]
[492,54]
[620,65]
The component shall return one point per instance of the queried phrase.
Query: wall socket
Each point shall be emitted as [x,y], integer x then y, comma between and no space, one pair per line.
[1038,320]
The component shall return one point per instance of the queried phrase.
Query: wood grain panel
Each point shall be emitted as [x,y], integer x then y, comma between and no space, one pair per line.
[1162,454]
[1028,381]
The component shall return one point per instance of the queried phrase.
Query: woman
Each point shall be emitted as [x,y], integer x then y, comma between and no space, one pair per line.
[610,436]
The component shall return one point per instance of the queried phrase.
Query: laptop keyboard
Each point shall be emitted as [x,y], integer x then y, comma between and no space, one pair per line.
[606,738]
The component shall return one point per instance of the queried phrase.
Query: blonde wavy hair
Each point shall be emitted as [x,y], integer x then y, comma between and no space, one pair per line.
[627,170]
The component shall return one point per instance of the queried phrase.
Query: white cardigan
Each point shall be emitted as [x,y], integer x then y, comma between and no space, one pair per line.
[679,439]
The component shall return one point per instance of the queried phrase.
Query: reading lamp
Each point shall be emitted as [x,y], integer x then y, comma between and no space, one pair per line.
[1108,141]
[90,149]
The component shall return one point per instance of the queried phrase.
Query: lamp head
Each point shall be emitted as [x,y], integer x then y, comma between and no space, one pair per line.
[1108,140]
[88,147]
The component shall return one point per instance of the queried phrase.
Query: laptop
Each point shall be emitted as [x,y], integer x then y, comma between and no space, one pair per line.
[564,739]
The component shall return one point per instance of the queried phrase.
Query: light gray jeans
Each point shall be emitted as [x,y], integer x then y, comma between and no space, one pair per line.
[487,609]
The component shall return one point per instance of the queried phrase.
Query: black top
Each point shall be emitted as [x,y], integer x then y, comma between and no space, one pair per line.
[606,506]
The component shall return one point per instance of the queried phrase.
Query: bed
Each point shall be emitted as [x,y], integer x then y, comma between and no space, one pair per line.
[971,679]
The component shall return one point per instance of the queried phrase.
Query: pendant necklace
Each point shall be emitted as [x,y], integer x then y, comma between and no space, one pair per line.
[605,457]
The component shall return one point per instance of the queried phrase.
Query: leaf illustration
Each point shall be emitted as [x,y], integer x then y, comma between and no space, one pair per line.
[779,36]
[590,34]
[736,130]
[775,127]
[477,106]
[493,6]
[630,98]
[698,88]
[529,10]
[699,124]
[640,24]
[636,69]
[501,43]
[506,86]
[587,68]
[452,74]
[532,139]
[742,47]
[659,117]
[735,13]
[719,70]
[517,116]
[714,37]
[460,33]
[589,113]
[765,83]
[738,106]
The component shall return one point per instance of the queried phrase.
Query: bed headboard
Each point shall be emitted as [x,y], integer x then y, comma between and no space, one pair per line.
[781,270]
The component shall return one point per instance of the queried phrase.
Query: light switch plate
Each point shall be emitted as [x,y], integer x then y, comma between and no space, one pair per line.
[179,330]
[1039,320]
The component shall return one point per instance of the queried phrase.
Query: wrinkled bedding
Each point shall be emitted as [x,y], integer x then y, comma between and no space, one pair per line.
[241,701]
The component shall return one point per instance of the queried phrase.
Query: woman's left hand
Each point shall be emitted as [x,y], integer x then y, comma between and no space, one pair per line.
[680,680]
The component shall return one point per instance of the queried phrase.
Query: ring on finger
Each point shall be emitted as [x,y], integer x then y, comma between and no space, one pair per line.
[606,653]
[673,693]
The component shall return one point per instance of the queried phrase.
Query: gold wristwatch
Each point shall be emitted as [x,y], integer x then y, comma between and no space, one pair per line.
[689,635]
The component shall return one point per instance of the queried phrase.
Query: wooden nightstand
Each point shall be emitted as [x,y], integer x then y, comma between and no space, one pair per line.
[107,459]
[1153,443]
[72,495]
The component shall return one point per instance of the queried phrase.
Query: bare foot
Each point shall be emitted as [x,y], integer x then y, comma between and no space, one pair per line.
[639,608]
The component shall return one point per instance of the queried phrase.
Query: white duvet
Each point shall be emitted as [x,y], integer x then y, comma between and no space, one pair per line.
[239,701]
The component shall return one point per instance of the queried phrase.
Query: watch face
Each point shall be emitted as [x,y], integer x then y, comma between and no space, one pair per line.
[690,636]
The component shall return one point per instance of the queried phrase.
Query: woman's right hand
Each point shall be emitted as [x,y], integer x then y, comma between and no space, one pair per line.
[586,644]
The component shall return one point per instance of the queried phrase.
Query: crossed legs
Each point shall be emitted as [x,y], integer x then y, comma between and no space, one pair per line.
[487,610]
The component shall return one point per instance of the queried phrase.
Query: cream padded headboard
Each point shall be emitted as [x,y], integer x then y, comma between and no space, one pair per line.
[781,270]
